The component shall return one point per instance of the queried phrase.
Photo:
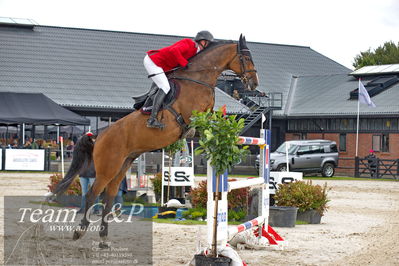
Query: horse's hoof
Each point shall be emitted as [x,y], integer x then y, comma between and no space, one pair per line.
[103,245]
[77,235]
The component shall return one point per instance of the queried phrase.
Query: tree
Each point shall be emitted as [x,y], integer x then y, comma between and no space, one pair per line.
[219,141]
[385,54]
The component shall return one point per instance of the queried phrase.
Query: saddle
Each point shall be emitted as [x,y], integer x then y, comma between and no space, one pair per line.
[144,102]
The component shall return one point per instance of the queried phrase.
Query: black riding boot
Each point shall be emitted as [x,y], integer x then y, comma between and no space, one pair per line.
[158,100]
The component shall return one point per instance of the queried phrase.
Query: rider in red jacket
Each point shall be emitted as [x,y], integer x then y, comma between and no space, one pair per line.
[157,62]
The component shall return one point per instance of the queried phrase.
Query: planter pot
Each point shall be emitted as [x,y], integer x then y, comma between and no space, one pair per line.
[309,216]
[201,260]
[282,216]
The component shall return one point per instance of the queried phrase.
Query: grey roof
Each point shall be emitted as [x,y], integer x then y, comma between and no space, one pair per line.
[278,64]
[328,95]
[103,69]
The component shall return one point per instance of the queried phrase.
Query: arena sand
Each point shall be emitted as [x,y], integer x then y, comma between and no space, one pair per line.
[361,227]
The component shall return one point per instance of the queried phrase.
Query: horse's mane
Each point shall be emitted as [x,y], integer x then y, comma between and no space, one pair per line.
[211,46]
[216,44]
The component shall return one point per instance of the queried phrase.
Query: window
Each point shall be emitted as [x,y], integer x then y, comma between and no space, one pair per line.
[299,136]
[385,142]
[381,142]
[316,149]
[376,142]
[333,148]
[342,142]
[304,150]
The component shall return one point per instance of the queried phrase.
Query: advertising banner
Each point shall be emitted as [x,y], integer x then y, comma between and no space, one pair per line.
[277,178]
[181,176]
[24,159]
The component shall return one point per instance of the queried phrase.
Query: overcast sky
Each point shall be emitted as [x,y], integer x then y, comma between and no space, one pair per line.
[338,29]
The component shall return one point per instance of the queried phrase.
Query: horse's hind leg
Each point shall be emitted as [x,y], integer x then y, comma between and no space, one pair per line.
[108,200]
[91,196]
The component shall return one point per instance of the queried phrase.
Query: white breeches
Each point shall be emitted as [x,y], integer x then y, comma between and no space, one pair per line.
[160,78]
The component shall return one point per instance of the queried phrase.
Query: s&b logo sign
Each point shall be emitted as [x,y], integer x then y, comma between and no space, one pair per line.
[181,176]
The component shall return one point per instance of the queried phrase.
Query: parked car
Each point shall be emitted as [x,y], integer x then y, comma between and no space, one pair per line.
[308,156]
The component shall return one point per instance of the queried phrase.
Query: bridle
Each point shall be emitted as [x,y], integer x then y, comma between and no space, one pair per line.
[244,54]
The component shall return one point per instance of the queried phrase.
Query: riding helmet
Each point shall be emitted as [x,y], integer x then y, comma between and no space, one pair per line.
[204,35]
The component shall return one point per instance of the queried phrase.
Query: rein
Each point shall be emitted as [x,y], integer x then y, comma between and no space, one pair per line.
[192,80]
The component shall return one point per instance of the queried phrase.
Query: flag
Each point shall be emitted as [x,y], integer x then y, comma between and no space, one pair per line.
[263,118]
[364,97]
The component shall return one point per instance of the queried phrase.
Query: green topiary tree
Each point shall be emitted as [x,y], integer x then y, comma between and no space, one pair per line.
[218,141]
[219,138]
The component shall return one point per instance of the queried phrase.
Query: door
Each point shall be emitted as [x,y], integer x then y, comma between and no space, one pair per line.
[307,157]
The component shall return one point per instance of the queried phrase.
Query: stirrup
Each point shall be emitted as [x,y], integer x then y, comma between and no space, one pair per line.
[154,123]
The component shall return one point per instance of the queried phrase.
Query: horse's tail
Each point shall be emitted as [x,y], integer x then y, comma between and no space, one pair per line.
[82,157]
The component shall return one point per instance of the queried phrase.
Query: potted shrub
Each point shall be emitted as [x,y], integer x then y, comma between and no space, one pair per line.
[311,200]
[157,186]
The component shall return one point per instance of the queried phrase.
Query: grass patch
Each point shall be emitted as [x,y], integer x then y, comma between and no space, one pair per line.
[184,222]
[130,203]
[173,221]
[298,222]
[52,204]
[345,178]
[27,171]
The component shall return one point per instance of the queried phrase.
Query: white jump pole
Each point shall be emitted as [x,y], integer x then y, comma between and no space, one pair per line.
[62,156]
[222,229]
[286,155]
[162,176]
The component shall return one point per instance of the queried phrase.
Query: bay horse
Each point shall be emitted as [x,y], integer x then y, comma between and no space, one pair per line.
[119,145]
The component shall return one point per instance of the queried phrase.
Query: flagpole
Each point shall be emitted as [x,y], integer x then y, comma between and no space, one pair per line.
[363,97]
[357,123]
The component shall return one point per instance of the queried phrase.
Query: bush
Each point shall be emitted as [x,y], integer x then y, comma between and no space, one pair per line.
[199,195]
[237,199]
[74,188]
[237,215]
[304,196]
[157,184]
[195,213]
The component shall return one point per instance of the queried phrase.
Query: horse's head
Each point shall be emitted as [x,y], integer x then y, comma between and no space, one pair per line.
[243,65]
